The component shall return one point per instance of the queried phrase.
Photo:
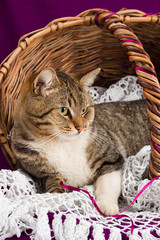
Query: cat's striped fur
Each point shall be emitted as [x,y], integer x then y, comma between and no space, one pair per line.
[85,146]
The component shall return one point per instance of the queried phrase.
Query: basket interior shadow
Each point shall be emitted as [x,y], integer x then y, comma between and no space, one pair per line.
[115,42]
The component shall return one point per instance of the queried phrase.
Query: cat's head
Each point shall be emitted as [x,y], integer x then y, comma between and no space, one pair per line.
[57,105]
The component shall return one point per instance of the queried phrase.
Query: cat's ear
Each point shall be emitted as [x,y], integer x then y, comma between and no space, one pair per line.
[88,79]
[46,79]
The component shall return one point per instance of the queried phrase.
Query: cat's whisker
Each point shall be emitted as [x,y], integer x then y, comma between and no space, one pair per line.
[50,138]
[97,139]
[100,138]
[60,139]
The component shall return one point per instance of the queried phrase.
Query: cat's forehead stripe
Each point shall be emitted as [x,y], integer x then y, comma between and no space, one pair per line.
[72,99]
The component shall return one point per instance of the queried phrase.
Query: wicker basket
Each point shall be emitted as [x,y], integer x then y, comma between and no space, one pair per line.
[95,38]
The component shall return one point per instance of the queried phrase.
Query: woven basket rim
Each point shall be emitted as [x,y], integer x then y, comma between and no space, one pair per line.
[140,17]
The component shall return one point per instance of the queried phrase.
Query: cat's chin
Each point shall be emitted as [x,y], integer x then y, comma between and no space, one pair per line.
[71,136]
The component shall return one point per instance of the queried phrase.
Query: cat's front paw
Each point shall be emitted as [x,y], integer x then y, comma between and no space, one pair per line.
[57,189]
[53,186]
[108,208]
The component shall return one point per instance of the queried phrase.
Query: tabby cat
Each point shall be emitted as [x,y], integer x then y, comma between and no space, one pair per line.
[60,136]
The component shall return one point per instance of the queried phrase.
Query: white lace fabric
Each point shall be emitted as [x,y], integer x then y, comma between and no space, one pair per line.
[126,89]
[74,217]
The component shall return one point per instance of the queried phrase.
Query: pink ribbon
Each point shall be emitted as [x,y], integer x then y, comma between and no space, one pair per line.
[140,69]
[130,40]
[120,215]
[152,13]
[98,12]
[155,146]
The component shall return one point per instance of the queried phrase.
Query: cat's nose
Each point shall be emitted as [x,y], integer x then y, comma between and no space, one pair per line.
[79,128]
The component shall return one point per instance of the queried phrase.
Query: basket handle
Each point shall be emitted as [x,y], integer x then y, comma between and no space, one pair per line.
[147,76]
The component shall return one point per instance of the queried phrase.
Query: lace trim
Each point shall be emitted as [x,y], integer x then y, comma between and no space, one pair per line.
[126,89]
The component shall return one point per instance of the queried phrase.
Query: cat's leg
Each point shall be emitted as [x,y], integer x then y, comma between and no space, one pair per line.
[107,191]
[38,167]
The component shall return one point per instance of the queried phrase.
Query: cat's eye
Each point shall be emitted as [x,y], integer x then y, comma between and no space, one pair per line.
[63,111]
[84,110]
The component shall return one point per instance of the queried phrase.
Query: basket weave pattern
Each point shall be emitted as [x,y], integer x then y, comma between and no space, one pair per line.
[95,38]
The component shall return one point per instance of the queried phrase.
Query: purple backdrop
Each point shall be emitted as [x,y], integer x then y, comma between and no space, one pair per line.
[18,17]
